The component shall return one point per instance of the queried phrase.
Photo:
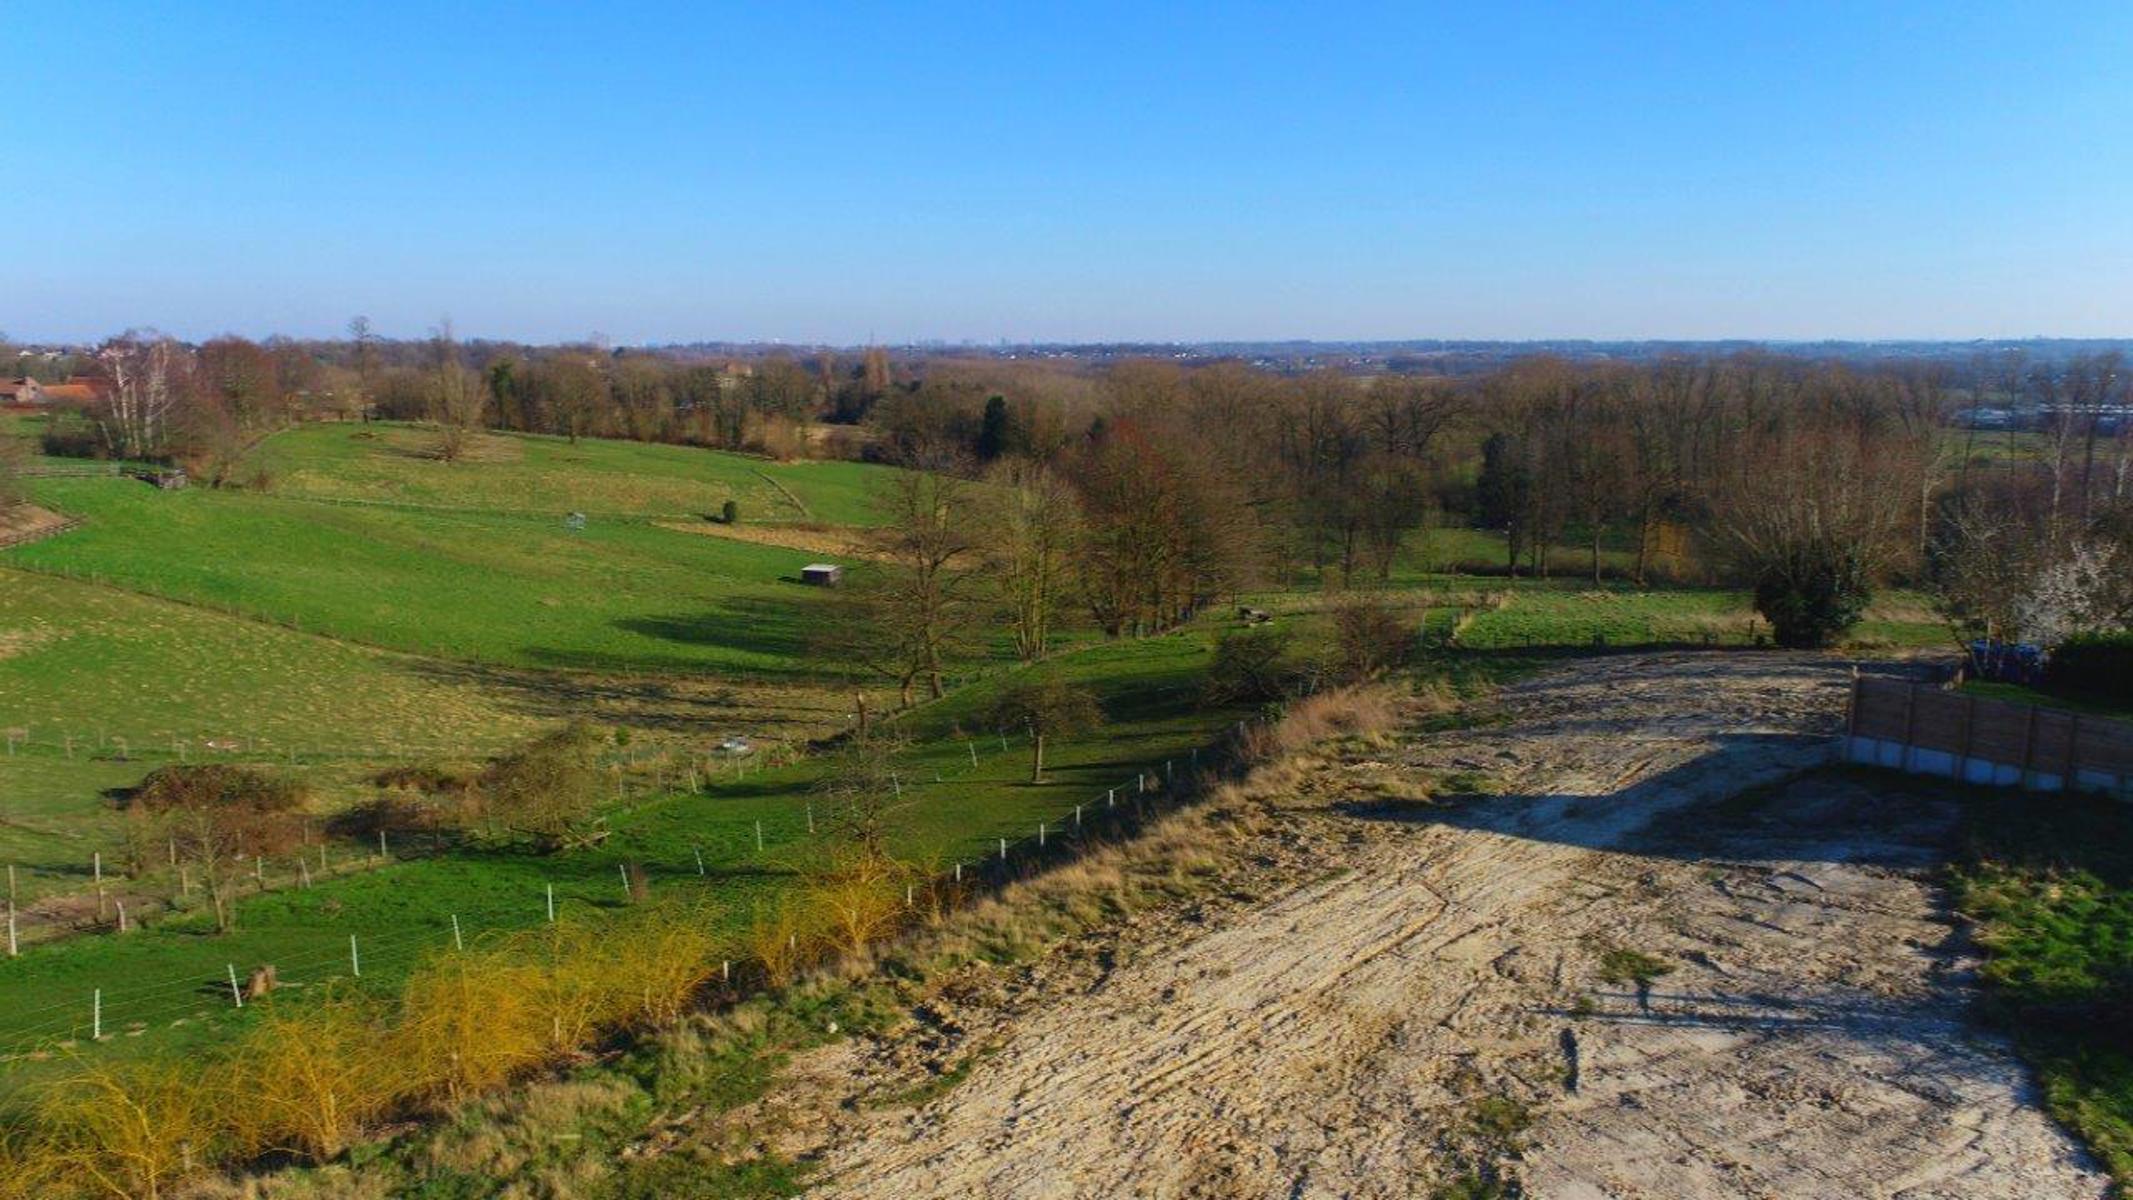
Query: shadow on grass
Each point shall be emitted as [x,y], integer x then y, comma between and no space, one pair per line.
[695,701]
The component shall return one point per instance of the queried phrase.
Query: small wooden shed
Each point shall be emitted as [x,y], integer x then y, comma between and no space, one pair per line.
[822,574]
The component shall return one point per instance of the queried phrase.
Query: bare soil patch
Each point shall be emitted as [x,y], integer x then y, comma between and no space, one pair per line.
[830,541]
[21,523]
[1618,977]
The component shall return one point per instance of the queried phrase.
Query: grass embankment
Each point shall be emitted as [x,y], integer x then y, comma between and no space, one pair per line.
[2049,881]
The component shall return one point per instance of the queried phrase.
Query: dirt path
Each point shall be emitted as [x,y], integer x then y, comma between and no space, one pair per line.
[1334,1039]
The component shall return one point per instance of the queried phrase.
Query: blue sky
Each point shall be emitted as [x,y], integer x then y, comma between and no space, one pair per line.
[837,172]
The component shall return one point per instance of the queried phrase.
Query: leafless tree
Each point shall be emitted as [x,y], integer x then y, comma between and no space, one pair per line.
[148,374]
[1035,533]
[455,398]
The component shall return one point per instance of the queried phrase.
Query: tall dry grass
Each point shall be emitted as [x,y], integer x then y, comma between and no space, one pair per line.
[1342,712]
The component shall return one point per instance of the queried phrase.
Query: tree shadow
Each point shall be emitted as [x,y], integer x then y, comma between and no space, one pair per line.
[679,703]
[751,626]
[1788,807]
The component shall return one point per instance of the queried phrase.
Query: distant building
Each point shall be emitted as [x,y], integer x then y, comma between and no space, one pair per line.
[822,574]
[78,389]
[21,391]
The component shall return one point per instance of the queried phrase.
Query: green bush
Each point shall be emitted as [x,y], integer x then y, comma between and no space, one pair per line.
[730,512]
[1810,603]
[547,790]
[2095,665]
[1250,665]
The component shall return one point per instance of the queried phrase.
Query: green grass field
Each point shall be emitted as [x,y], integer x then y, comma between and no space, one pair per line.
[159,983]
[394,464]
[497,588]
[2049,880]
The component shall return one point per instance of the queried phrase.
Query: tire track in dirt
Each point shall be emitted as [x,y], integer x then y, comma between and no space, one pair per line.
[1808,1042]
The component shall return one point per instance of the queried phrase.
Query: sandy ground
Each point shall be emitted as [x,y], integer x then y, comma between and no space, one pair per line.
[1327,1025]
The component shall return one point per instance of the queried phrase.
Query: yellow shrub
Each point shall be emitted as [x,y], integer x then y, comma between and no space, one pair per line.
[782,939]
[305,1081]
[665,956]
[126,1130]
[468,1022]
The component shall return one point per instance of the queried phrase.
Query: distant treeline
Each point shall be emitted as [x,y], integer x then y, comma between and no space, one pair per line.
[1805,479]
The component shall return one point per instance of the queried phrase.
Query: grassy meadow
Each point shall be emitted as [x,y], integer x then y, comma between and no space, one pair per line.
[374,605]
[509,589]
[395,464]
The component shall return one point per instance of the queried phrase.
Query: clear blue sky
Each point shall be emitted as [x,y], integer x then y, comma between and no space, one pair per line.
[839,171]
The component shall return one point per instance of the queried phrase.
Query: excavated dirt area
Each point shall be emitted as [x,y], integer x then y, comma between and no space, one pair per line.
[1381,996]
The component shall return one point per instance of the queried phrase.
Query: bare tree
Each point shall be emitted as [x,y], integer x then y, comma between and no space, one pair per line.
[907,618]
[1047,707]
[455,396]
[148,374]
[1037,529]
[1813,502]
[863,793]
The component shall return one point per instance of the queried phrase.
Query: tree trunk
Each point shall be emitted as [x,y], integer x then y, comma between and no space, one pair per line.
[1644,546]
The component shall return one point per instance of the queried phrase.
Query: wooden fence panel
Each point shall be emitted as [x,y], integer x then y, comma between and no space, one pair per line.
[1931,731]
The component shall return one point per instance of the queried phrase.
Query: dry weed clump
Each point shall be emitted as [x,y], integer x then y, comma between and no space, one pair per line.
[1342,712]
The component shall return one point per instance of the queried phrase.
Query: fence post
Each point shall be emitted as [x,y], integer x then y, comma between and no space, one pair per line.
[1910,715]
[1962,757]
[2029,745]
[355,960]
[96,1016]
[1003,849]
[699,853]
[551,904]
[236,993]
[457,942]
[758,837]
[1040,835]
[2073,754]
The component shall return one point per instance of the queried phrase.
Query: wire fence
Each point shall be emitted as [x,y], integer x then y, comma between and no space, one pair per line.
[334,956]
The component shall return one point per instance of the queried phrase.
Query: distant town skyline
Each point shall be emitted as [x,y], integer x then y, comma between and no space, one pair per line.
[848,174]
